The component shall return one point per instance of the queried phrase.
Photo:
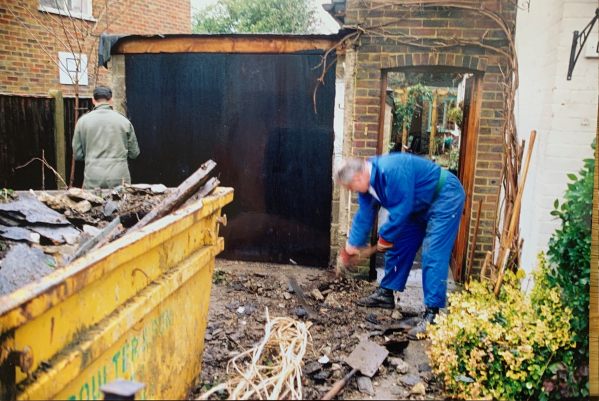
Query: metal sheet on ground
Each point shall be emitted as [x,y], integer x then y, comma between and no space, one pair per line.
[367,357]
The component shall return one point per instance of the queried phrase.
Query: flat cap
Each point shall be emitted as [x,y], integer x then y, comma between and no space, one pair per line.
[102,92]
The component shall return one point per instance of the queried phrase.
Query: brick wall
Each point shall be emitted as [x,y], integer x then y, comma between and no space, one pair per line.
[29,68]
[375,54]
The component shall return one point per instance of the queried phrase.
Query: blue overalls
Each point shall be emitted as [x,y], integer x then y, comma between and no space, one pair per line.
[425,205]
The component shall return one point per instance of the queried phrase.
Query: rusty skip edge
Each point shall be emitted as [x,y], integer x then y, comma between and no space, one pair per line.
[32,300]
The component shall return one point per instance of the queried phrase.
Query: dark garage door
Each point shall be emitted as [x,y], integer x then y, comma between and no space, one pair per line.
[254,115]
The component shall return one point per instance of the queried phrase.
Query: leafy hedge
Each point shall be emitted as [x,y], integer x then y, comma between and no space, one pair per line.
[570,255]
[500,347]
[517,347]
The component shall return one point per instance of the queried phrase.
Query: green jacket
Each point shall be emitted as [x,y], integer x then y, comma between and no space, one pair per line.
[105,139]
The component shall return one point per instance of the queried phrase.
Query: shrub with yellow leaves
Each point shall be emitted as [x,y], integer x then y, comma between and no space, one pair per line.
[489,347]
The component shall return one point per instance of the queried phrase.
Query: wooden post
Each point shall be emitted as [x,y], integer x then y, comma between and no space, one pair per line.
[59,140]
[183,192]
[404,128]
[508,238]
[431,145]
[486,263]
[445,108]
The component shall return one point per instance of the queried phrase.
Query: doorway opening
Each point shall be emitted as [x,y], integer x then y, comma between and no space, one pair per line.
[433,112]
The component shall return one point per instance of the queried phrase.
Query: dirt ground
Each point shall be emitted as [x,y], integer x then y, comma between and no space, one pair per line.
[242,290]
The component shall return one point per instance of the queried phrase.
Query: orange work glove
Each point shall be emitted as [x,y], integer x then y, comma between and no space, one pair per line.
[349,255]
[347,260]
[344,257]
[382,245]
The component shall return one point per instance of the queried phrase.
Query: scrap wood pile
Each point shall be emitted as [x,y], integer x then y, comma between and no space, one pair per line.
[41,231]
[272,369]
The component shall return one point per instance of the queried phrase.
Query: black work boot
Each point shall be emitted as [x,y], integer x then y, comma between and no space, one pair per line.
[428,318]
[381,298]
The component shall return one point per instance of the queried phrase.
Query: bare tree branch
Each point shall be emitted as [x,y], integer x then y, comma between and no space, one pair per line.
[48,28]
[44,163]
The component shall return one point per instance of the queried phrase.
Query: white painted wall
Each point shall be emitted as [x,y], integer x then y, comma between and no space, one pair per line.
[564,113]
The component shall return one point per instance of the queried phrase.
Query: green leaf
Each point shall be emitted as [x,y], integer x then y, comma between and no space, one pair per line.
[572,176]
[554,367]
[255,16]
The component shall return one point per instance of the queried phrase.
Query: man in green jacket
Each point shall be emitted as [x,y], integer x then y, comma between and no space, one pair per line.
[105,139]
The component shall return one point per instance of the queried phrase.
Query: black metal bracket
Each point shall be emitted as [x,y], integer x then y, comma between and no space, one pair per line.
[578,41]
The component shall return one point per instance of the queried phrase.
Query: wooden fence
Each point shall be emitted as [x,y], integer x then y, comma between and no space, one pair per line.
[26,132]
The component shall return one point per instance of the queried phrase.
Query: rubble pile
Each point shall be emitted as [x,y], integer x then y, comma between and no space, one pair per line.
[40,231]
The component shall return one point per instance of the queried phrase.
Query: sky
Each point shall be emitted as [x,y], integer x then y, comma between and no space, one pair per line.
[324,22]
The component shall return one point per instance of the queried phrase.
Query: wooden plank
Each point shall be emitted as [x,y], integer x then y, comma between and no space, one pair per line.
[404,127]
[467,166]
[168,205]
[178,197]
[382,105]
[221,44]
[507,241]
[92,242]
[594,299]
[594,355]
[431,141]
[59,138]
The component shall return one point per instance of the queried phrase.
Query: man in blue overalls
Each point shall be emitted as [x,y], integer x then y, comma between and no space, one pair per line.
[425,205]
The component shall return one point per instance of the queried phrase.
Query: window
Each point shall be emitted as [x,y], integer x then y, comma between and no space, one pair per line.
[74,8]
[72,67]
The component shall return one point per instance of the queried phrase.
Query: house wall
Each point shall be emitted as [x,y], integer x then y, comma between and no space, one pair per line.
[28,68]
[563,112]
[374,54]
